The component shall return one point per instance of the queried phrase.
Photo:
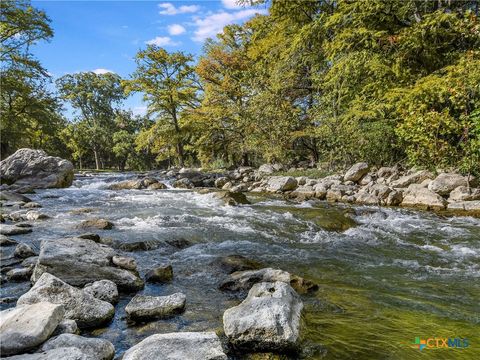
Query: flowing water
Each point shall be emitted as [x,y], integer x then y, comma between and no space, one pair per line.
[394,276]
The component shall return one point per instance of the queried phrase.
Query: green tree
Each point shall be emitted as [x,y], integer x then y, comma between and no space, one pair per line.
[96,99]
[170,88]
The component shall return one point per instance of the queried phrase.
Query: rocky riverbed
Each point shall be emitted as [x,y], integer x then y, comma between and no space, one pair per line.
[128,264]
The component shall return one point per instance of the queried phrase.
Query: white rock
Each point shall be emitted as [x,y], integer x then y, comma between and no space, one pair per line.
[27,326]
[268,319]
[94,349]
[105,290]
[418,196]
[143,307]
[356,172]
[70,353]
[178,346]
[86,310]
[281,183]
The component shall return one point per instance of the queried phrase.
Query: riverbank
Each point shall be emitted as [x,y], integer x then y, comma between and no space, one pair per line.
[448,194]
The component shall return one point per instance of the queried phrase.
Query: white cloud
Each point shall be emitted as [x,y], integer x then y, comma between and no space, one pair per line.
[231,4]
[214,23]
[161,41]
[170,9]
[176,29]
[101,71]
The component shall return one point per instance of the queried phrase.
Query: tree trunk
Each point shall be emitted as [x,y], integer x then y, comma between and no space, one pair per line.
[97,160]
[180,153]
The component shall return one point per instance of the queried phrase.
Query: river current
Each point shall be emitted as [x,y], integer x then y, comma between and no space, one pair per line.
[396,275]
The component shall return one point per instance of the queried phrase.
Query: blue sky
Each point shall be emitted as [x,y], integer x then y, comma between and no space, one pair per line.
[104,36]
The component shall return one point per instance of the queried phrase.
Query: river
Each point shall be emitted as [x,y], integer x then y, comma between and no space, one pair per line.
[396,275]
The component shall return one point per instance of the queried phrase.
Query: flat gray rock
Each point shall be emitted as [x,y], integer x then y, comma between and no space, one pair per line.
[268,319]
[27,326]
[95,349]
[69,353]
[178,346]
[82,261]
[143,307]
[6,229]
[86,310]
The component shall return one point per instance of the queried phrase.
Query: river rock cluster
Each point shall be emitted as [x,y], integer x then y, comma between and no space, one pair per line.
[361,184]
[77,280]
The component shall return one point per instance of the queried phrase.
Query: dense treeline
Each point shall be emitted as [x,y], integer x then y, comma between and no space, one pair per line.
[325,81]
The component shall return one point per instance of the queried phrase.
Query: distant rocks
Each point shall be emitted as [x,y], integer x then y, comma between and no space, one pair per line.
[281,183]
[36,169]
[79,305]
[140,184]
[356,172]
[7,229]
[268,319]
[176,346]
[24,327]
[232,198]
[143,307]
[81,261]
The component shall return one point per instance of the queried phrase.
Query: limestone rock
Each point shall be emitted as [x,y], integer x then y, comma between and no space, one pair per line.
[444,183]
[356,172]
[70,353]
[80,306]
[27,326]
[143,307]
[414,178]
[160,274]
[281,183]
[418,196]
[268,319]
[82,261]
[36,169]
[105,290]
[176,346]
[94,349]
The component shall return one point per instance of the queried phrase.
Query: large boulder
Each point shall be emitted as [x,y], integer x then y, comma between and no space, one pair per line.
[356,172]
[232,198]
[27,326]
[281,183]
[143,307]
[176,346]
[244,280]
[418,196]
[95,349]
[444,183]
[464,193]
[470,207]
[81,261]
[268,319]
[80,306]
[36,169]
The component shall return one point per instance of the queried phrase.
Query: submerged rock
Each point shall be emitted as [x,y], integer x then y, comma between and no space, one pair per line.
[81,261]
[23,251]
[232,198]
[100,224]
[27,326]
[176,346]
[13,230]
[139,246]
[13,196]
[244,280]
[160,274]
[105,290]
[143,307]
[80,306]
[268,319]
[36,169]
[6,241]
[233,263]
[94,349]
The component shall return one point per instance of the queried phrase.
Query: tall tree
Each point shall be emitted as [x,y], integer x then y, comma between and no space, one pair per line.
[29,111]
[96,99]
[170,88]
